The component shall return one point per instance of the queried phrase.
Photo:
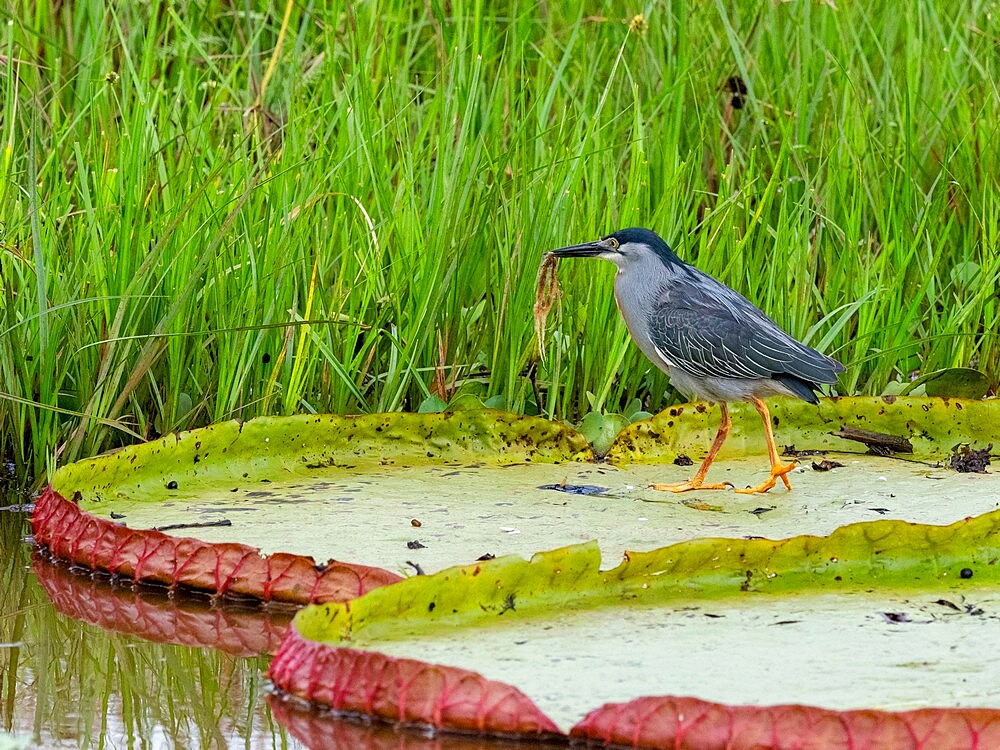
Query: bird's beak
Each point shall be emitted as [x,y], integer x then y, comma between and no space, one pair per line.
[586,250]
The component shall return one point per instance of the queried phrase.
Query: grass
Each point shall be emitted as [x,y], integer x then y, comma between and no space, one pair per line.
[212,210]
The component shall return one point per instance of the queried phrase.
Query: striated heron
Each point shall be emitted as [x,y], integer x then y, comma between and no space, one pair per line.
[713,343]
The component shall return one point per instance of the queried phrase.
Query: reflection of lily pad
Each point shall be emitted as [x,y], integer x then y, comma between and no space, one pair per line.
[155,615]
[330,730]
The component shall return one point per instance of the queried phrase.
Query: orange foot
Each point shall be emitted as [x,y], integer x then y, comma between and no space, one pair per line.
[691,484]
[776,471]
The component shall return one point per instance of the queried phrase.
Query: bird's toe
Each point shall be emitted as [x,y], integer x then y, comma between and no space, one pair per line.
[777,471]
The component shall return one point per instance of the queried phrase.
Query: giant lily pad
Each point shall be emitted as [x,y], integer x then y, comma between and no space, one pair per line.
[493,485]
[400,494]
[237,466]
[224,569]
[407,690]
[268,448]
[692,723]
[882,614]
[889,555]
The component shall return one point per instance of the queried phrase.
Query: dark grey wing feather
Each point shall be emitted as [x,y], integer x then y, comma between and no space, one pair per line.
[708,330]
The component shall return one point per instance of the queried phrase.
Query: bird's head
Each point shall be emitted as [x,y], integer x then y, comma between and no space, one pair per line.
[625,248]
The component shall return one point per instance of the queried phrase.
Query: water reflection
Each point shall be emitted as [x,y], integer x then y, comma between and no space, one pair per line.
[157,615]
[326,731]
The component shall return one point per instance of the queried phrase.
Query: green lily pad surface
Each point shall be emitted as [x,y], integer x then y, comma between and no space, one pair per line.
[838,651]
[883,614]
[409,492]
[271,449]
[465,512]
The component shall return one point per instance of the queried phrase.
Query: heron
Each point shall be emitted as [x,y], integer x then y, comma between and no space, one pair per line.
[713,343]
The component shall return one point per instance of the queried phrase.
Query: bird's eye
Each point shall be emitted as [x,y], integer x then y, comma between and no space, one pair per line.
[612,243]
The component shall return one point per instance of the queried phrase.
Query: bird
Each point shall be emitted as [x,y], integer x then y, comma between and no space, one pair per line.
[713,343]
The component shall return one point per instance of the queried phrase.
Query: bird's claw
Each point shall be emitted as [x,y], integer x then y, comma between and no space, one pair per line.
[776,471]
[691,484]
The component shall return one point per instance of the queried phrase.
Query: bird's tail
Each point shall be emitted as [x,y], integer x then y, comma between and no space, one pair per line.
[801,388]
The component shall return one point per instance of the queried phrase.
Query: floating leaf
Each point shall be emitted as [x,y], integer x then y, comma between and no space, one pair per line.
[468,509]
[229,569]
[954,382]
[279,464]
[863,556]
[601,429]
[233,461]
[247,453]
[505,607]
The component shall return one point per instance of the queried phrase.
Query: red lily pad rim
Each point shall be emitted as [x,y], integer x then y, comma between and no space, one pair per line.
[407,692]
[146,556]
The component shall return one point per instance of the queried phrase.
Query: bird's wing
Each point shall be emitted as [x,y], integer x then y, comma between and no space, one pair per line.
[709,330]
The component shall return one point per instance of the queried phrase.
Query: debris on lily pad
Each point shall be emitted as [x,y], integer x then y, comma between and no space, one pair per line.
[878,443]
[968,460]
[826,465]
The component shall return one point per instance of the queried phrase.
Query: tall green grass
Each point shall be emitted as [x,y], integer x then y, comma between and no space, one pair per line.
[213,210]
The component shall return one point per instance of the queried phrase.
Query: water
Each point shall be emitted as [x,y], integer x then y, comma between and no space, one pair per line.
[87,664]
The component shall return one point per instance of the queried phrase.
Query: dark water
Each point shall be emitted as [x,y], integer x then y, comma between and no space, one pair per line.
[88,664]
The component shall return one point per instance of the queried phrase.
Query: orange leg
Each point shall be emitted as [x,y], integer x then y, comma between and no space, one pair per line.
[697,482]
[777,468]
